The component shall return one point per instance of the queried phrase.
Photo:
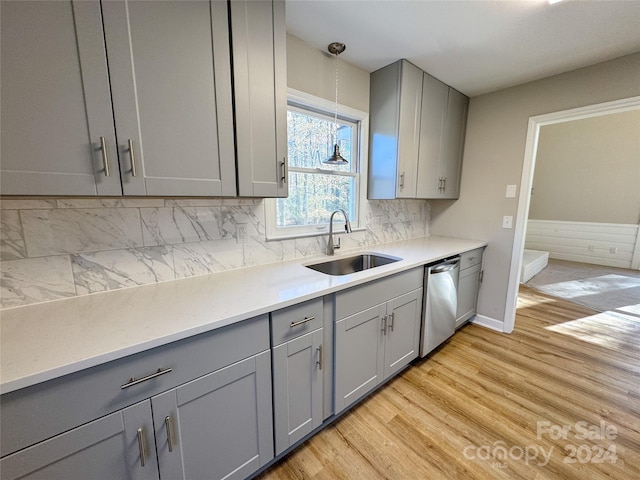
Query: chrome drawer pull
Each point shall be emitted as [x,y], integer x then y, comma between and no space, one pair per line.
[142,447]
[319,362]
[105,158]
[169,425]
[384,325]
[392,317]
[133,158]
[304,320]
[133,381]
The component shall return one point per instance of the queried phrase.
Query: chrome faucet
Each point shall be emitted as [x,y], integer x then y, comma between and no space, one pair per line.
[331,247]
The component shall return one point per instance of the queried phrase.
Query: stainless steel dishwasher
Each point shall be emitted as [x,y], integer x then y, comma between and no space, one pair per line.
[440,303]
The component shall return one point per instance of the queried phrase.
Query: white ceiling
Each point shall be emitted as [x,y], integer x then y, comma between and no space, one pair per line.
[476,46]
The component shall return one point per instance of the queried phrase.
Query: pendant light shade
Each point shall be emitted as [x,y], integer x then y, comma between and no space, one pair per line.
[336,158]
[336,48]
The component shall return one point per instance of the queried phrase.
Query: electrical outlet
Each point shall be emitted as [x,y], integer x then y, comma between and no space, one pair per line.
[241,233]
[507,221]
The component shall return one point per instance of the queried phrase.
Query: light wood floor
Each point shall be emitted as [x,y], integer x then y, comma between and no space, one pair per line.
[448,415]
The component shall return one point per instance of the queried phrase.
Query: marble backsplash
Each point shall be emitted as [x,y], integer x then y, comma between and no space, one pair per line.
[52,248]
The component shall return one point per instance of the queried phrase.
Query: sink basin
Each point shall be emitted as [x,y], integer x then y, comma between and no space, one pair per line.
[356,263]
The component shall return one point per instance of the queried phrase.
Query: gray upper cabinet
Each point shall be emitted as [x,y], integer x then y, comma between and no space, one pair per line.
[395,106]
[260,88]
[91,63]
[416,134]
[56,104]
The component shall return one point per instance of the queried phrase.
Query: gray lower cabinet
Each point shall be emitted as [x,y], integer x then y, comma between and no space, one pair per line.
[299,361]
[468,284]
[109,104]
[218,426]
[260,88]
[374,344]
[297,388]
[200,409]
[119,445]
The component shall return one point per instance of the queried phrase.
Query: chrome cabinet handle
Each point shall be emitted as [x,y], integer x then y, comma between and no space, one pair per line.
[392,317]
[133,158]
[444,184]
[135,381]
[284,170]
[142,447]
[320,358]
[105,158]
[300,322]
[384,325]
[401,184]
[169,425]
[481,276]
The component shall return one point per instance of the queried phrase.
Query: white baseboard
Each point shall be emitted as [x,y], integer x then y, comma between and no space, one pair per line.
[488,322]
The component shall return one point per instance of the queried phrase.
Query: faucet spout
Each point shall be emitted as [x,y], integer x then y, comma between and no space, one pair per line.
[331,247]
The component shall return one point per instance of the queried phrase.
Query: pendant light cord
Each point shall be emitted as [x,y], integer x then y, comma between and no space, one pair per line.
[335,118]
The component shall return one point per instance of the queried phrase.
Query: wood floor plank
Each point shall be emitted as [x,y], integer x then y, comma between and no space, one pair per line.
[444,417]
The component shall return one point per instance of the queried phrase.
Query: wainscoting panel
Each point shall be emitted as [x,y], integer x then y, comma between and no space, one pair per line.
[597,243]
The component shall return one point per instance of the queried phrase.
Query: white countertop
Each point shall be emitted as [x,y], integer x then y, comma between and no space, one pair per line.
[44,341]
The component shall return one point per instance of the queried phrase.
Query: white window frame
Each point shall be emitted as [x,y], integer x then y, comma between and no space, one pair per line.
[327,107]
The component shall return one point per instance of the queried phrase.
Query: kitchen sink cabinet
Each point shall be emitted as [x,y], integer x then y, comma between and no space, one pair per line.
[260,88]
[298,369]
[208,406]
[417,132]
[373,344]
[468,285]
[109,104]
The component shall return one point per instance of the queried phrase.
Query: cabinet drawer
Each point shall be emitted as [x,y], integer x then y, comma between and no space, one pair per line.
[356,299]
[291,322]
[471,258]
[41,411]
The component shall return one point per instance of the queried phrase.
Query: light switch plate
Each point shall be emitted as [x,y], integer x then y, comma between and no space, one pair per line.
[511,191]
[507,221]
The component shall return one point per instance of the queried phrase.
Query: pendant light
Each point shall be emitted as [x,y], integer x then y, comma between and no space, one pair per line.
[336,48]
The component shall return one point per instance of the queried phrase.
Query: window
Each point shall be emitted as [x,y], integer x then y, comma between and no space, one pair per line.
[315,188]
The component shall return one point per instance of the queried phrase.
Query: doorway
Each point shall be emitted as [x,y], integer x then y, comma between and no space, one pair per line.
[533,133]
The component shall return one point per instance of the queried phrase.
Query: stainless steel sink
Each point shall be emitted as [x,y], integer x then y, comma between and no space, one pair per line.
[356,263]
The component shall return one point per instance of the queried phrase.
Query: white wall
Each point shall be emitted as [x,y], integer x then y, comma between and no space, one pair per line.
[494,154]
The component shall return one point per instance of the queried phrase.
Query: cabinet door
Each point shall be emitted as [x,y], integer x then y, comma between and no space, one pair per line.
[172,101]
[452,148]
[260,88]
[105,449]
[409,129]
[297,388]
[434,107]
[359,355]
[217,426]
[56,104]
[467,293]
[402,341]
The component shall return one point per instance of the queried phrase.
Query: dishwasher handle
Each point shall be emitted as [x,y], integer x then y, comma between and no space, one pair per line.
[444,267]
